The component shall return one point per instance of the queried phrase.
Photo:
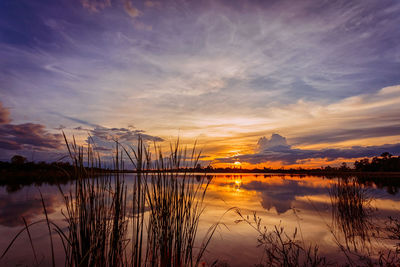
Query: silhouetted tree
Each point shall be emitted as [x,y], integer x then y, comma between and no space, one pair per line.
[18,160]
[386,162]
[344,167]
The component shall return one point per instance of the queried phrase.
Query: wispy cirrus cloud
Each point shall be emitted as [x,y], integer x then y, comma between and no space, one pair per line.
[228,71]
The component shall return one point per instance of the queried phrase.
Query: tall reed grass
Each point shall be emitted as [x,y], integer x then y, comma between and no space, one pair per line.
[95,212]
[175,201]
[155,226]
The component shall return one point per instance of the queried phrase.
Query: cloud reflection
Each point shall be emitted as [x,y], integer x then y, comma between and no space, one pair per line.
[14,206]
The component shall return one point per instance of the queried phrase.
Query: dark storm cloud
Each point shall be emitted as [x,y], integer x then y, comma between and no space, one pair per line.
[276,149]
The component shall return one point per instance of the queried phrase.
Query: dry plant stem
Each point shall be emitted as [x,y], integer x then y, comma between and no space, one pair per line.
[280,249]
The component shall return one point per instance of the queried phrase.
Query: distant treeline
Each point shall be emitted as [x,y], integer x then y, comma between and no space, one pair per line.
[384,163]
[19,164]
[19,172]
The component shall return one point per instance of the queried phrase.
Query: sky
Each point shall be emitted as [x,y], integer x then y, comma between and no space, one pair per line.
[263,83]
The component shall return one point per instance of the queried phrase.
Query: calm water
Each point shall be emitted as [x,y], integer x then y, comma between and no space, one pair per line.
[302,202]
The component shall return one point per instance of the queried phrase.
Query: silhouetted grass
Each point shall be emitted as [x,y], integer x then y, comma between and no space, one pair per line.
[175,201]
[162,214]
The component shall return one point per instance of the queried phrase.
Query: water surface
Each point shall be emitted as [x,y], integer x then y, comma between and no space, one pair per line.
[290,201]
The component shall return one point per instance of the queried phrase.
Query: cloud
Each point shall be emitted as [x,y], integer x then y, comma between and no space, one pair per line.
[142,26]
[98,5]
[276,63]
[338,135]
[282,196]
[77,120]
[100,148]
[280,151]
[25,204]
[130,9]
[4,114]
[149,3]
[95,5]
[104,138]
[276,141]
[109,134]
[123,134]
[26,135]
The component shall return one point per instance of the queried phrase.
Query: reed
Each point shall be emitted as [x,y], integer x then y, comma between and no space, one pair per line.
[156,226]
[95,212]
[176,204]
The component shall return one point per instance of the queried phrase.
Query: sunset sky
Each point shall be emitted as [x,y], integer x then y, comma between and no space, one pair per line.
[263,83]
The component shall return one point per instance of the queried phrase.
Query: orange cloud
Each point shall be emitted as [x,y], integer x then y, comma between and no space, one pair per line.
[95,5]
[4,114]
[149,3]
[130,9]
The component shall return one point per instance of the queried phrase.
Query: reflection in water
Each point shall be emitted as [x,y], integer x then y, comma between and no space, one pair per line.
[271,196]
[281,195]
[281,249]
[23,204]
[389,183]
[352,212]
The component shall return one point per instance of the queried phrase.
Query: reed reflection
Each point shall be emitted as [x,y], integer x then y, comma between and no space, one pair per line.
[352,212]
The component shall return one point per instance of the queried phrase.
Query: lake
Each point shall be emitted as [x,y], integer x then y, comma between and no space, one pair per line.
[322,210]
